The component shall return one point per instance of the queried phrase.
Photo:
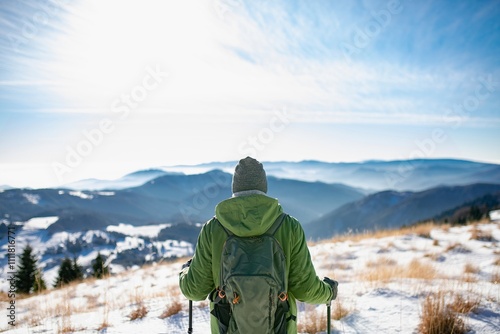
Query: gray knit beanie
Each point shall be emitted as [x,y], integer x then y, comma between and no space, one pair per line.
[249,175]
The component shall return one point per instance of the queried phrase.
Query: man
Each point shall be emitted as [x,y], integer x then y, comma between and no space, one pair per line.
[249,213]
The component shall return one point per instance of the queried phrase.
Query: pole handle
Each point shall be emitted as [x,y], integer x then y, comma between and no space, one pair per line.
[328,317]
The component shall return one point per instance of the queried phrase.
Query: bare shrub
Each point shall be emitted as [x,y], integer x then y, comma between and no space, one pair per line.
[172,309]
[438,318]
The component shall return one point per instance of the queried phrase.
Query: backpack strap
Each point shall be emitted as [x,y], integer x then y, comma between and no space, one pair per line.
[271,231]
[276,225]
[229,233]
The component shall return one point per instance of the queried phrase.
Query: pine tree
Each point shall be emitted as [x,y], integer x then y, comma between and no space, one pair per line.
[77,270]
[68,271]
[64,273]
[99,268]
[25,277]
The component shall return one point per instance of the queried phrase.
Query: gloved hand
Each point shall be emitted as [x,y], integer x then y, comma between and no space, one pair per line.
[334,284]
[187,264]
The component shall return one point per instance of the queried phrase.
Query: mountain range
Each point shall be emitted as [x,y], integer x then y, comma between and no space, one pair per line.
[391,209]
[171,204]
[170,198]
[400,175]
[372,176]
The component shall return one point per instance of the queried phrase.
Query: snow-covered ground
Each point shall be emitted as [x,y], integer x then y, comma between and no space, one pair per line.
[384,281]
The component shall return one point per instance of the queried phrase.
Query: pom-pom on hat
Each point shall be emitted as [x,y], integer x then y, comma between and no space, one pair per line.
[249,174]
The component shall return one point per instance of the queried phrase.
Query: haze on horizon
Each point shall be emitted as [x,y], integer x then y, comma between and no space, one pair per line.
[99,89]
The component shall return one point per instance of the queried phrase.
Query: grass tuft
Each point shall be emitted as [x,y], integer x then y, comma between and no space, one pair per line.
[312,322]
[464,306]
[140,312]
[438,318]
[172,309]
[480,235]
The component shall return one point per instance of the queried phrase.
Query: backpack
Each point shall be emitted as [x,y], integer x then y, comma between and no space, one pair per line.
[252,295]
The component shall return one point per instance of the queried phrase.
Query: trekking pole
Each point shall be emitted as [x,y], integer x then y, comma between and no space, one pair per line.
[190,328]
[328,317]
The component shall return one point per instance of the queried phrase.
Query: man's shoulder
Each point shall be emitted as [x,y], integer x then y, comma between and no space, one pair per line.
[291,224]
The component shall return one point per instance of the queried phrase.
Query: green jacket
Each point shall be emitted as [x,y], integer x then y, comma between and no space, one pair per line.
[251,216]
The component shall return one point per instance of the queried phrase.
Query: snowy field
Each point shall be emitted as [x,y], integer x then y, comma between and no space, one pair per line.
[384,282]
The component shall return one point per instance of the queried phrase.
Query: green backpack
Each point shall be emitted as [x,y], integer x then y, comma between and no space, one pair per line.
[252,295]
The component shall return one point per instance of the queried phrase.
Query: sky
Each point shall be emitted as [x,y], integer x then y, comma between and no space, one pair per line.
[98,89]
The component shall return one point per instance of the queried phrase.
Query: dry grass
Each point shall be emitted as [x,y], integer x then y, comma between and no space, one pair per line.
[469,268]
[469,278]
[480,235]
[496,262]
[417,269]
[174,308]
[140,312]
[423,230]
[339,311]
[434,256]
[312,322]
[438,317]
[382,261]
[174,291]
[342,266]
[36,318]
[137,296]
[386,269]
[464,306]
[65,329]
[495,277]
[457,248]
[103,326]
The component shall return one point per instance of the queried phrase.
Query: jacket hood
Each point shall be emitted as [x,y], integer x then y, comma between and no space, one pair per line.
[248,216]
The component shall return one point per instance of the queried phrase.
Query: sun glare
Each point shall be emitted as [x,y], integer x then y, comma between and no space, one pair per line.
[106,43]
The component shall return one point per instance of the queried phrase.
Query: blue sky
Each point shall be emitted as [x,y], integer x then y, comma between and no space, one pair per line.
[103,88]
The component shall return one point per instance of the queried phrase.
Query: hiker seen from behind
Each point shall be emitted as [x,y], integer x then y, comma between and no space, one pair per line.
[252,261]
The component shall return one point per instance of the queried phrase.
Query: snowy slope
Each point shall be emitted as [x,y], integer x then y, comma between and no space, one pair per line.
[123,245]
[384,280]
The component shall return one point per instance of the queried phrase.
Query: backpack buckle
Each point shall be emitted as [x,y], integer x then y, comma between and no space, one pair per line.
[236,298]
[283,296]
[221,293]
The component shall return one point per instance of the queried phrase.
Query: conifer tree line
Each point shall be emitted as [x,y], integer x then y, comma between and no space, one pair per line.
[29,279]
